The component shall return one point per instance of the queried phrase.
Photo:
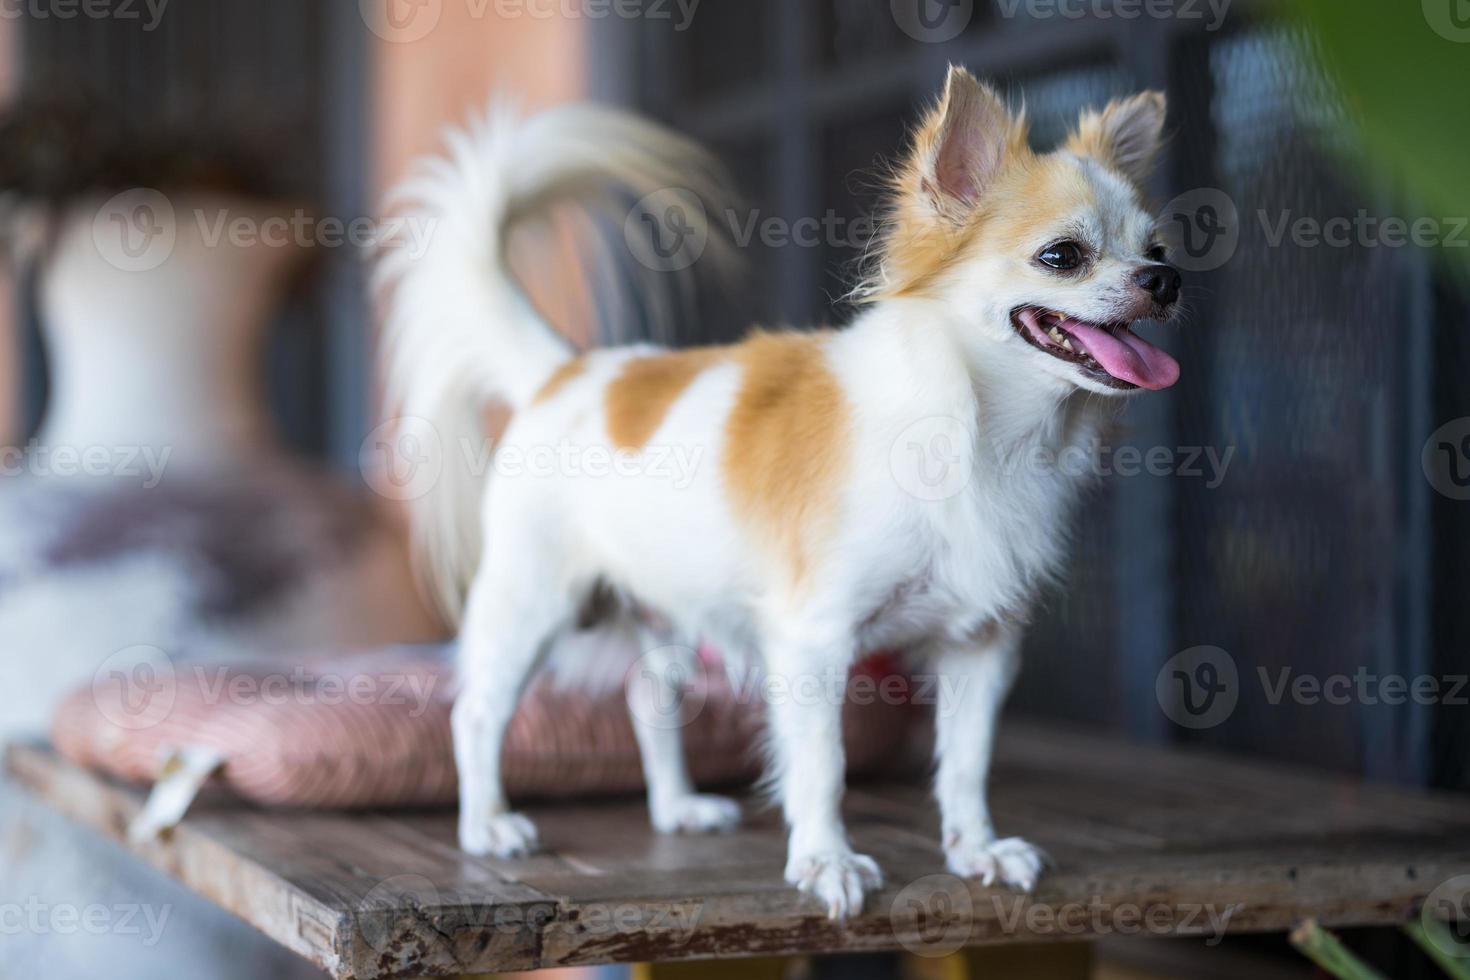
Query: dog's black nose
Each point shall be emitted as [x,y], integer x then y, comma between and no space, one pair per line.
[1159,281]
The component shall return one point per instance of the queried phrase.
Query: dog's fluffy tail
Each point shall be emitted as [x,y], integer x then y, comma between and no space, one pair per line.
[460,333]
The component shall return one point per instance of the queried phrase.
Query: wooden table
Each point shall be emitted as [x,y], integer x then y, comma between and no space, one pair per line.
[1146,842]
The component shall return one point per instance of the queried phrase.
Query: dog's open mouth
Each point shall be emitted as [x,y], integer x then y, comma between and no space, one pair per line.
[1110,352]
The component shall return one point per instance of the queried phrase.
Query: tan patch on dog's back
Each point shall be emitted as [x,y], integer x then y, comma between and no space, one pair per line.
[786,443]
[640,396]
[560,378]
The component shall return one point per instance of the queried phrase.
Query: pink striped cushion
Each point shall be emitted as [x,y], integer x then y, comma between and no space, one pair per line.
[308,738]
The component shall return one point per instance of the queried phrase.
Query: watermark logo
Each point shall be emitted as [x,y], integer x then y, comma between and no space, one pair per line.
[1449,903]
[148,13]
[402,459]
[666,688]
[39,918]
[135,688]
[933,916]
[933,21]
[1207,464]
[1363,230]
[136,230]
[1450,19]
[145,464]
[1446,459]
[668,230]
[1201,228]
[401,903]
[378,912]
[1212,12]
[934,458]
[401,21]
[1018,915]
[1198,688]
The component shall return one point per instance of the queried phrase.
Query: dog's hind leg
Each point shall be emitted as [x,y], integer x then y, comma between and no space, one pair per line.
[512,614]
[655,688]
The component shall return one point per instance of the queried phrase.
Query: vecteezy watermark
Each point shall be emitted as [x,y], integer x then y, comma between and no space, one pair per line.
[304,686]
[667,688]
[675,465]
[135,688]
[1201,688]
[147,13]
[670,686]
[1198,688]
[302,229]
[1019,915]
[381,921]
[1212,12]
[39,918]
[934,915]
[404,459]
[1209,464]
[1363,686]
[137,230]
[1449,903]
[1362,230]
[936,458]
[1450,19]
[146,464]
[668,230]
[938,914]
[1446,459]
[933,459]
[406,21]
[1201,228]
[933,21]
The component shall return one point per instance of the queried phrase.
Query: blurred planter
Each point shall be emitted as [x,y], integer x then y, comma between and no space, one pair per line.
[157,507]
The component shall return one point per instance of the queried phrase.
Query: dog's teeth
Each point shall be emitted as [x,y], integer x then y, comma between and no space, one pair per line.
[1055,334]
[1068,344]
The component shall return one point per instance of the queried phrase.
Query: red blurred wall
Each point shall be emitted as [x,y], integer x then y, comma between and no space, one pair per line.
[423,85]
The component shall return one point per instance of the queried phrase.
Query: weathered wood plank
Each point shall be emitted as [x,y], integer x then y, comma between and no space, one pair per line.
[1146,841]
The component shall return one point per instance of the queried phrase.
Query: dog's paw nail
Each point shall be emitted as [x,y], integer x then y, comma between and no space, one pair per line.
[839,880]
[1012,862]
[696,815]
[508,835]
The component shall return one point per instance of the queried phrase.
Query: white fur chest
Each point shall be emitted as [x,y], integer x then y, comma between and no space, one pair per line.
[979,549]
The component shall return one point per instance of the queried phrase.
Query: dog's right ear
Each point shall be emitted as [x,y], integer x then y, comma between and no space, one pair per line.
[962,145]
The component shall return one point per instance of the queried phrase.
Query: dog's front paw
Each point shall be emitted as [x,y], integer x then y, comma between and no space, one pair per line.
[1012,861]
[695,815]
[839,879]
[505,835]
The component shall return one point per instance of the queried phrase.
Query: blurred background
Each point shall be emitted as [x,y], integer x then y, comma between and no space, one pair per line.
[1306,508]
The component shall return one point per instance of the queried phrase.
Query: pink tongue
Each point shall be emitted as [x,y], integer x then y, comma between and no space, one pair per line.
[1125,355]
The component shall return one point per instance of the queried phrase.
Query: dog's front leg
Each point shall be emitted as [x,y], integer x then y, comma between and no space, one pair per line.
[974,679]
[806,725]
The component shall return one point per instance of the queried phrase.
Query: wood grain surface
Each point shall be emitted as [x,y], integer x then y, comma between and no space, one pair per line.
[1146,842]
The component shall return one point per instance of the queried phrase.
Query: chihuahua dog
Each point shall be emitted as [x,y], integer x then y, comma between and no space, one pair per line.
[994,329]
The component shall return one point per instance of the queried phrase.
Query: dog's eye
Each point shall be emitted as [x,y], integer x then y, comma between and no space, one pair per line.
[1156,253]
[1064,256]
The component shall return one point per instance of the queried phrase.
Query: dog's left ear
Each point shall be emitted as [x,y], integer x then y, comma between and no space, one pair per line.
[1126,135]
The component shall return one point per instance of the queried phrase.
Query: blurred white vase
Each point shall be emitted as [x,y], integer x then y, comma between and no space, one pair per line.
[158,343]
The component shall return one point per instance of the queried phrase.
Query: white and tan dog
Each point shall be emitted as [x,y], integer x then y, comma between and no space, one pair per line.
[998,310]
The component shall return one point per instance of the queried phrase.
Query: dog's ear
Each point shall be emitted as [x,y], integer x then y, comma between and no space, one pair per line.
[1126,135]
[962,145]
